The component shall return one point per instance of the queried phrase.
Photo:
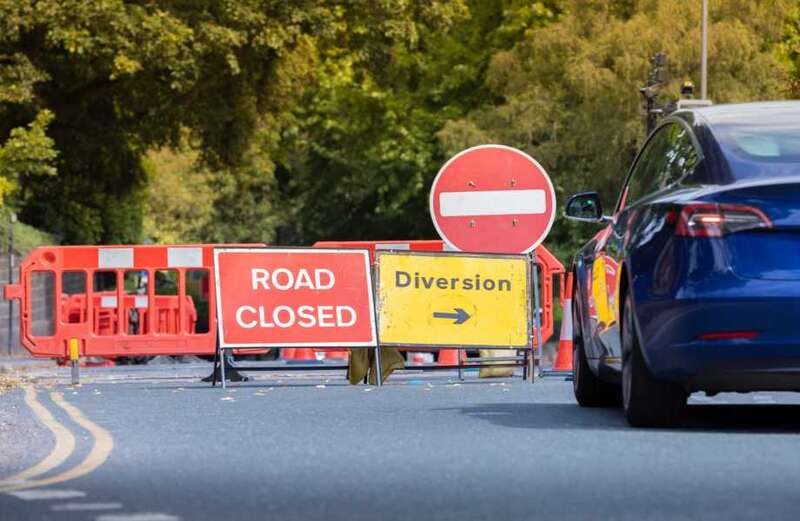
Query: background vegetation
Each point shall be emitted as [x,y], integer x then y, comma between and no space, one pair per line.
[290,122]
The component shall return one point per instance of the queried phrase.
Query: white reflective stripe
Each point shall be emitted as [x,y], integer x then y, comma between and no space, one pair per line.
[492,202]
[389,246]
[185,257]
[108,302]
[115,258]
[140,301]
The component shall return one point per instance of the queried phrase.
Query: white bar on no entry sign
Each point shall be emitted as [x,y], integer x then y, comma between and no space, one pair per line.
[492,202]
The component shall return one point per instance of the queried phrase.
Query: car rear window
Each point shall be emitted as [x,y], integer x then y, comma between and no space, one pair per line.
[771,143]
[760,145]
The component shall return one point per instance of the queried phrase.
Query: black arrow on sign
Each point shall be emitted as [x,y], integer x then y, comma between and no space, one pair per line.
[460,316]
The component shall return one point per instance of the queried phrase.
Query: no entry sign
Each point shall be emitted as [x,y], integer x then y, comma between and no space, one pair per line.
[492,199]
[268,297]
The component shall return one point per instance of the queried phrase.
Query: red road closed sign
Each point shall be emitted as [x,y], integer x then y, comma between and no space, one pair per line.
[269,297]
[493,199]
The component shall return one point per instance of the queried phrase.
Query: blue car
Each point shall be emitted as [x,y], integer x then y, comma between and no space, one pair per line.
[693,284]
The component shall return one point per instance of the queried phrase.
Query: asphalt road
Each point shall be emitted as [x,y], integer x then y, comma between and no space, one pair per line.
[152,444]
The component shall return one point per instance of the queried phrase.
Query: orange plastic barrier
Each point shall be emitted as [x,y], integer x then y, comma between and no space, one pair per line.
[117,300]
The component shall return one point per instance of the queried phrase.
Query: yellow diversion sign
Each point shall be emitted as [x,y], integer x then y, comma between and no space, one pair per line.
[462,300]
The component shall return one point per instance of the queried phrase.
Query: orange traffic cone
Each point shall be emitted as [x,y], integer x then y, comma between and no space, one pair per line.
[334,354]
[564,357]
[448,357]
[304,353]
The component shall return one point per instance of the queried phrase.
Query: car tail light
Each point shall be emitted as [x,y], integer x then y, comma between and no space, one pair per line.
[716,220]
[729,335]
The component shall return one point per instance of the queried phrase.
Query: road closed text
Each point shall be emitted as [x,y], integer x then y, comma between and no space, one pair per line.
[291,297]
[283,316]
[249,317]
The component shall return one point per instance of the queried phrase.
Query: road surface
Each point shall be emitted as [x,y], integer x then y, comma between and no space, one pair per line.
[154,444]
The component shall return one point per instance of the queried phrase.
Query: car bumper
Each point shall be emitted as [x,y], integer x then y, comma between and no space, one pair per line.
[770,361]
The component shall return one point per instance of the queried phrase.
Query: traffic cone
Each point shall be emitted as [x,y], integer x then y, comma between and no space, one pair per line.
[448,357]
[305,354]
[334,354]
[564,357]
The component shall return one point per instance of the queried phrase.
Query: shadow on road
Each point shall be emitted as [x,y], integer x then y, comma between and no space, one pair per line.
[544,416]
[778,418]
[716,418]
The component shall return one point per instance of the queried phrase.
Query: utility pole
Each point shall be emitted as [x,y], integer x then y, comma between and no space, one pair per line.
[704,50]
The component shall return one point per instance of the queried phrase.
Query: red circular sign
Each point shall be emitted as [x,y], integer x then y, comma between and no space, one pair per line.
[493,199]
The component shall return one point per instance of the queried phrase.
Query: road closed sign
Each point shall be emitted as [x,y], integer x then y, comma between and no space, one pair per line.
[461,300]
[269,297]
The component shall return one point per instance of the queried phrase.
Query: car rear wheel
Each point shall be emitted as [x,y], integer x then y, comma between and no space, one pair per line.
[647,402]
[590,391]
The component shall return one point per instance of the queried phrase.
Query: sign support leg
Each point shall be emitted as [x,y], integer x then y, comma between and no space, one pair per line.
[215,369]
[537,318]
[222,368]
[378,367]
[461,357]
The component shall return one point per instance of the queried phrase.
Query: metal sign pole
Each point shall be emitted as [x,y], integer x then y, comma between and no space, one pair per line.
[378,368]
[537,310]
[222,366]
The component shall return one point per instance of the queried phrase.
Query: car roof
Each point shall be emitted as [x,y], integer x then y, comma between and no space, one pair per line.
[744,112]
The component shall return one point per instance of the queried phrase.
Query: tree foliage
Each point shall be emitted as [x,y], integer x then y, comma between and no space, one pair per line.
[568,92]
[290,122]
[122,78]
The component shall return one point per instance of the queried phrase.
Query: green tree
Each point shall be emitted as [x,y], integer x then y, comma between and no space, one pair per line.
[365,151]
[27,152]
[122,78]
[568,94]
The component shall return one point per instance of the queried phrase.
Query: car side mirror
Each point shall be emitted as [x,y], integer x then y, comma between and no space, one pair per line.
[585,207]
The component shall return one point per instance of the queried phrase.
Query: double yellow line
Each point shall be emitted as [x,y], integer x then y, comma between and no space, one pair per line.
[63,448]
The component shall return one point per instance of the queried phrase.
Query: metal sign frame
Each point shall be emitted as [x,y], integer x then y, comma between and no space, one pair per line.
[379,254]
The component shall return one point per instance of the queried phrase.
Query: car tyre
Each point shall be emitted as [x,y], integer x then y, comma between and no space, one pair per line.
[590,391]
[646,401]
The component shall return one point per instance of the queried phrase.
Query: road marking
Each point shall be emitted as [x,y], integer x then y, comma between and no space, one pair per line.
[64,443]
[35,495]
[138,516]
[83,507]
[492,202]
[101,449]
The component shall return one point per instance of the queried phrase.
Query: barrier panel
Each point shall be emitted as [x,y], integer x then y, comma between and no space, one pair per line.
[128,301]
[547,269]
[112,301]
[293,298]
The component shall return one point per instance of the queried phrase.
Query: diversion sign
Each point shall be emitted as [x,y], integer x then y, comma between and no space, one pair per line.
[460,300]
[270,297]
